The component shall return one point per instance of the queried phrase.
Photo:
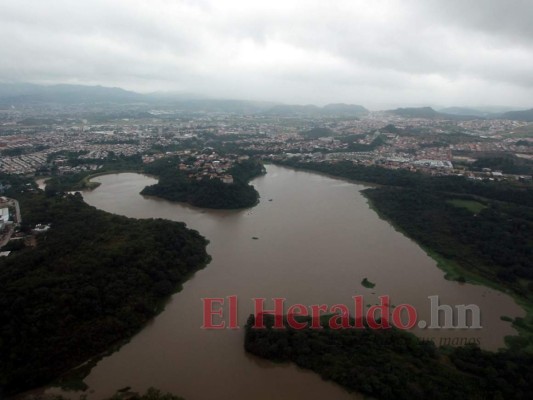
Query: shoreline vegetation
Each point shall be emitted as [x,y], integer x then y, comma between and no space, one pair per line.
[92,282]
[367,284]
[122,394]
[453,271]
[414,204]
[393,364]
[477,232]
[175,185]
[82,180]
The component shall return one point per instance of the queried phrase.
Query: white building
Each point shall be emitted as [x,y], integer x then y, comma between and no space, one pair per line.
[4,214]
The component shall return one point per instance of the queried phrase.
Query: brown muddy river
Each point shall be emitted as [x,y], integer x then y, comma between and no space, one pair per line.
[316,240]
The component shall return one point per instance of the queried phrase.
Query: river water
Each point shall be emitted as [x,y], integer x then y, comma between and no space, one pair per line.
[316,239]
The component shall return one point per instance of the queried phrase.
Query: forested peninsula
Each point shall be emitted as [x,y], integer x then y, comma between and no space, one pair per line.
[394,364]
[91,281]
[176,184]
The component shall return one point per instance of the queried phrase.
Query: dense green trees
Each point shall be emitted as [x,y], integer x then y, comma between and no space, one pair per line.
[317,132]
[174,185]
[506,164]
[79,180]
[93,280]
[393,364]
[151,394]
[14,185]
[492,242]
[496,242]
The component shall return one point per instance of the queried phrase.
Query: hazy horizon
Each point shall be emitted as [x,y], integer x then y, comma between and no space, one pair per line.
[185,96]
[384,54]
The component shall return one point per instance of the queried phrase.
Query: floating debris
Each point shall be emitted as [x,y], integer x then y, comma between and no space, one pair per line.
[366,283]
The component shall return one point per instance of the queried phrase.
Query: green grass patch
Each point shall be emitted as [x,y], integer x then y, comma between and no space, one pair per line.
[471,205]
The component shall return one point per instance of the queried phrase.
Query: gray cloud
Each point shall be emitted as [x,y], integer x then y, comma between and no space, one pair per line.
[379,53]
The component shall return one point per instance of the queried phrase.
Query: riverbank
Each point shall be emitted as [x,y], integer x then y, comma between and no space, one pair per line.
[391,363]
[317,231]
[91,283]
[83,182]
[455,271]
[480,262]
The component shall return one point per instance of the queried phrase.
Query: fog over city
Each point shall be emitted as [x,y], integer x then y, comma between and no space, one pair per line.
[381,54]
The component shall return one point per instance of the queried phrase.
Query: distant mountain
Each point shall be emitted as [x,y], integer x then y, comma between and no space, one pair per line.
[25,93]
[218,105]
[342,109]
[495,109]
[428,113]
[526,115]
[465,112]
[15,94]
[30,94]
[416,112]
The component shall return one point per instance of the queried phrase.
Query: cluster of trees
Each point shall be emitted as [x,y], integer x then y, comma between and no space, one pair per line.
[150,394]
[496,242]
[68,182]
[93,280]
[13,152]
[80,180]
[246,170]
[393,364]
[13,185]
[359,147]
[174,185]
[317,133]
[506,164]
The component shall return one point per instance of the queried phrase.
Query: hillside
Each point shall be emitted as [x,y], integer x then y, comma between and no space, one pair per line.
[416,112]
[428,113]
[465,111]
[526,115]
[342,109]
[28,94]
[18,94]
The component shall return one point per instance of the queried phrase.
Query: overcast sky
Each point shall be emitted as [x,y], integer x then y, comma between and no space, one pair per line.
[377,53]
